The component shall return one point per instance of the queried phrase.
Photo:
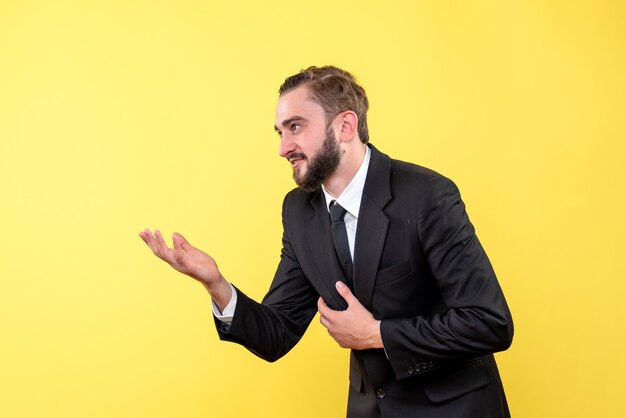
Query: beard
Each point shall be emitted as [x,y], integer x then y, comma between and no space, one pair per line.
[321,165]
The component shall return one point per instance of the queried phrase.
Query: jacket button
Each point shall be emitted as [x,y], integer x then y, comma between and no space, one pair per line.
[380,393]
[410,370]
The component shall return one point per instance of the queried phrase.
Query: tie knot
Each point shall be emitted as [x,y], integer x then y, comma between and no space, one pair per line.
[337,212]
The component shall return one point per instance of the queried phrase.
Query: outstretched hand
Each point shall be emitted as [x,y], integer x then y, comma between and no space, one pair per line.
[191,261]
[353,328]
[183,257]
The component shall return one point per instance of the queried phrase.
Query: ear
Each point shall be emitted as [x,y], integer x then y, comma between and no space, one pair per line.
[348,125]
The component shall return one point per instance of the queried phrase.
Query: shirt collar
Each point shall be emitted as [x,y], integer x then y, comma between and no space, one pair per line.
[350,198]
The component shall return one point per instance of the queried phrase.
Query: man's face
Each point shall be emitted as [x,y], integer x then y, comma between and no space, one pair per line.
[307,141]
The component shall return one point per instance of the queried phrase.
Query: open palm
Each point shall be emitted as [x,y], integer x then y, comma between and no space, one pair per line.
[183,257]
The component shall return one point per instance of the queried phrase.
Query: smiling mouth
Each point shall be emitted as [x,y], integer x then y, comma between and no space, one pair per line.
[296,159]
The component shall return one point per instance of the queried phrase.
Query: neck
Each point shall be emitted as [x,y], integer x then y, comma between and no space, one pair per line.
[350,163]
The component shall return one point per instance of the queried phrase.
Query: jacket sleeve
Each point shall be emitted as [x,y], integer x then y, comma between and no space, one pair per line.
[271,328]
[477,320]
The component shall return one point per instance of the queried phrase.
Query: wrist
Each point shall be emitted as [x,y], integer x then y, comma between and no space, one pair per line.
[220,291]
[377,339]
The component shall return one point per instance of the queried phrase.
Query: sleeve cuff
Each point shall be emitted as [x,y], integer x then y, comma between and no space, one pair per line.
[226,316]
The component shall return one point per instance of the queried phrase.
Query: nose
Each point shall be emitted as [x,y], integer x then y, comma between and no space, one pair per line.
[286,146]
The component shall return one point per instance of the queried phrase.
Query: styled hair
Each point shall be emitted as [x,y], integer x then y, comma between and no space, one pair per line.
[335,90]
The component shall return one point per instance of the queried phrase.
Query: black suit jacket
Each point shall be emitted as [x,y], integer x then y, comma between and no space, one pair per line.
[420,269]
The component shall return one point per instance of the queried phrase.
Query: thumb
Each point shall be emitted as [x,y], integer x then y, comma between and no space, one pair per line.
[180,243]
[345,293]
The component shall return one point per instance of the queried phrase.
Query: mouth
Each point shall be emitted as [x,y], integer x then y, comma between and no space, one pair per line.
[296,160]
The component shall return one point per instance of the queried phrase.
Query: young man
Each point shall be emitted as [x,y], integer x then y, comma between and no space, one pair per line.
[385,252]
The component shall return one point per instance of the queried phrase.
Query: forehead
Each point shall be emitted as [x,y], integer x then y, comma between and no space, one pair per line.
[297,102]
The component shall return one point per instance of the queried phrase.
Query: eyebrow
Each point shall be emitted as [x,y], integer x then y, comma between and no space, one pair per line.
[288,121]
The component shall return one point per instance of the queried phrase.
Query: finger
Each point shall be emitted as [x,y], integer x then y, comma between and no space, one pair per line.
[179,256]
[345,293]
[181,243]
[162,249]
[320,304]
[144,234]
[177,241]
[324,321]
[150,240]
[323,309]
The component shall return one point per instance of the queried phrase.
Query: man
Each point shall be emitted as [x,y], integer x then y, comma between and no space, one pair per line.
[384,251]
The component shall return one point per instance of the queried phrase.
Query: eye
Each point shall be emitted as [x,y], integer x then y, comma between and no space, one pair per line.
[294,126]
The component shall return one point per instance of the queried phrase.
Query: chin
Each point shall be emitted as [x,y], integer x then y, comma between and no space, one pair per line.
[299,174]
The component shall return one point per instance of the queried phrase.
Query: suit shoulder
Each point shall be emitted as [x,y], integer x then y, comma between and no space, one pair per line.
[297,199]
[413,175]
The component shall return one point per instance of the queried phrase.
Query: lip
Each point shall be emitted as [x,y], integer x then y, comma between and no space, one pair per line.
[296,159]
[296,162]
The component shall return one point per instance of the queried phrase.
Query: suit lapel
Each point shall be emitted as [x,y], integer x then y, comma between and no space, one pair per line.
[372,226]
[320,242]
[370,239]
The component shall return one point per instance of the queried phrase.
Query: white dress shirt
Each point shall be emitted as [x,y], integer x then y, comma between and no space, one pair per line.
[350,200]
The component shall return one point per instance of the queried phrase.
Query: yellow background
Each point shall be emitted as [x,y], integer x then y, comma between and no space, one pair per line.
[120,115]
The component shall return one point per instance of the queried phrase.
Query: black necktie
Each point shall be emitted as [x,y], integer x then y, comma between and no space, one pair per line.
[340,239]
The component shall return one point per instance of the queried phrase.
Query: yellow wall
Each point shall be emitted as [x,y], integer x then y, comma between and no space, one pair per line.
[120,115]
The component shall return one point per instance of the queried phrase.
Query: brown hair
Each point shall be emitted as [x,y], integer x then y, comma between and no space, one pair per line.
[335,90]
